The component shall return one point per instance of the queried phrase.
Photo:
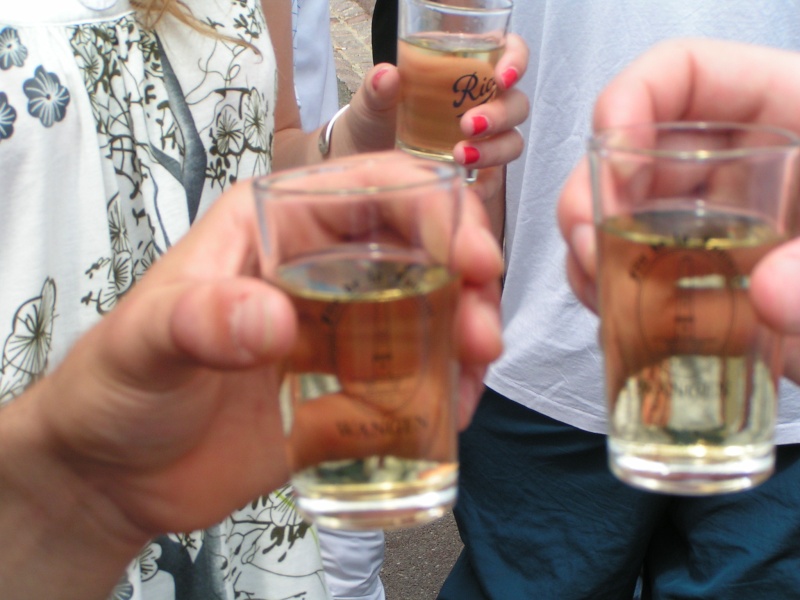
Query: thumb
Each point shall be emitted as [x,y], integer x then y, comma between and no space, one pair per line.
[236,322]
[371,118]
[381,88]
[162,360]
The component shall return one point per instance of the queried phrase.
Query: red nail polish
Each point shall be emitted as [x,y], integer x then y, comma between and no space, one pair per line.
[510,77]
[471,155]
[377,77]
[479,124]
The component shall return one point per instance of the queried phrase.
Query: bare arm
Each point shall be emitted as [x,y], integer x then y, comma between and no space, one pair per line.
[61,538]
[164,416]
[374,106]
[369,125]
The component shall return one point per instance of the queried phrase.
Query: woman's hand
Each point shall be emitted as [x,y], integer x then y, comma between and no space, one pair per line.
[491,139]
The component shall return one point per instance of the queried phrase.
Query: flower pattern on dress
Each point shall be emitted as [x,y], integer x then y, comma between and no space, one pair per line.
[8,115]
[281,510]
[102,51]
[122,591]
[116,277]
[12,51]
[255,125]
[262,537]
[93,67]
[165,129]
[147,561]
[47,98]
[229,135]
[26,349]
[249,23]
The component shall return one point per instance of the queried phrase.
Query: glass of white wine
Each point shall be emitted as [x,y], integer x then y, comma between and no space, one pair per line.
[683,213]
[363,249]
[446,54]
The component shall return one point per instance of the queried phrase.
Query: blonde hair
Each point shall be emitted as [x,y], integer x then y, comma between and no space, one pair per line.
[152,11]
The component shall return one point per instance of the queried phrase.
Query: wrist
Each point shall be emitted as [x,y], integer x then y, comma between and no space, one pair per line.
[325,141]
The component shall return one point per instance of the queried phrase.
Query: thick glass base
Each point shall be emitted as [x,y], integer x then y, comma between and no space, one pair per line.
[377,513]
[470,175]
[433,154]
[691,470]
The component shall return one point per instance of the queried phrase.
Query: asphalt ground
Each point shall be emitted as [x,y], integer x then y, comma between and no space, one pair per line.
[418,559]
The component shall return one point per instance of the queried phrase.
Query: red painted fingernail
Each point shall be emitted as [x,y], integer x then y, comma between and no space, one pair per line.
[510,77]
[377,77]
[479,124]
[471,155]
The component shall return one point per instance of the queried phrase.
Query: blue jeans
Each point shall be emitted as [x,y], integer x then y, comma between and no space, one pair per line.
[542,517]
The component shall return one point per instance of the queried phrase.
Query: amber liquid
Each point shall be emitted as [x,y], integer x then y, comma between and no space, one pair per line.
[691,373]
[442,76]
[371,388]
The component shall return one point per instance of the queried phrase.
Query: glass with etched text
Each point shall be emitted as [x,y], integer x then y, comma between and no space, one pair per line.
[446,55]
[683,213]
[363,250]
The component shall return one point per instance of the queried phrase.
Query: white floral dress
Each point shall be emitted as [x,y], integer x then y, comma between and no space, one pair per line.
[113,140]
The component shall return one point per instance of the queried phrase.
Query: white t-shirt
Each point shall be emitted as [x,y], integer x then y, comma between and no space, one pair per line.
[113,140]
[552,362]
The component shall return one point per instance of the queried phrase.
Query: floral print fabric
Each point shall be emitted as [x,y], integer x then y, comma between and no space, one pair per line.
[114,139]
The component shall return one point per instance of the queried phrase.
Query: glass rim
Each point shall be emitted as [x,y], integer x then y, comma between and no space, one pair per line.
[600,141]
[502,7]
[441,172]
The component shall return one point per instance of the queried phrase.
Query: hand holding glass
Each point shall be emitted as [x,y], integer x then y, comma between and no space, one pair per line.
[684,211]
[363,249]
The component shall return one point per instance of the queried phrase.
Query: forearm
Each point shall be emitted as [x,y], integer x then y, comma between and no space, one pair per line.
[60,538]
[292,146]
[295,148]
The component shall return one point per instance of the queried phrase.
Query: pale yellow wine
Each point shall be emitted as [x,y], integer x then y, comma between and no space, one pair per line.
[442,76]
[371,387]
[691,373]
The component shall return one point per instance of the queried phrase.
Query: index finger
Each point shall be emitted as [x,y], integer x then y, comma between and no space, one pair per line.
[704,80]
[514,62]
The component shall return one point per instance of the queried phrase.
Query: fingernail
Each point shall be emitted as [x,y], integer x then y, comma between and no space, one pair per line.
[249,326]
[471,155]
[510,77]
[377,77]
[479,124]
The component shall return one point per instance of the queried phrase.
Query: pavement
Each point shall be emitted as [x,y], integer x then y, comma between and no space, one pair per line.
[417,560]
[351,36]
